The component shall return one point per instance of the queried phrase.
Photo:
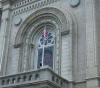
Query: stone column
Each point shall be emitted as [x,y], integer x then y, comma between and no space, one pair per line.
[0,16]
[91,74]
[25,58]
[4,33]
[0,24]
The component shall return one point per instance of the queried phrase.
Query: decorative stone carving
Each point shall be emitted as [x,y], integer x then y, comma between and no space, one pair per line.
[17,20]
[31,45]
[65,32]
[74,3]
[21,6]
[18,45]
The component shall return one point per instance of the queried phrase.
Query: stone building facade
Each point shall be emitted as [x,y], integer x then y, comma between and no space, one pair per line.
[71,48]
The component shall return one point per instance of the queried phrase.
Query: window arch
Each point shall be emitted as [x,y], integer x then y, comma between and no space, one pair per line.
[32,28]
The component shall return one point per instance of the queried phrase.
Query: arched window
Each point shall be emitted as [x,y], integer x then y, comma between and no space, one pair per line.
[58,46]
[45,49]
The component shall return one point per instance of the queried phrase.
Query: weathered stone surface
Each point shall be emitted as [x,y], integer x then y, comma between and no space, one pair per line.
[76,53]
[42,78]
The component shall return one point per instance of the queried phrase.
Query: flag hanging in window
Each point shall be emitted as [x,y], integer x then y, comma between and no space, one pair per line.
[44,32]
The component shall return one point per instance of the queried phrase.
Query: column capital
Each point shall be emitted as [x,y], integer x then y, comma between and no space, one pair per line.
[6,1]
[6,4]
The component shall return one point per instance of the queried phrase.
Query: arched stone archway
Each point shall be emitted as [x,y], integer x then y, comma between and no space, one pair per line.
[66,23]
[33,25]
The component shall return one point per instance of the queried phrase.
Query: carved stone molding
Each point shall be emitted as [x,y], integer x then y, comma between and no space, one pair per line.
[18,45]
[26,5]
[52,12]
[74,3]
[34,79]
[18,20]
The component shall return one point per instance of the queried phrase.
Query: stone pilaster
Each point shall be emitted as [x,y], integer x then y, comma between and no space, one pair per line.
[0,4]
[92,74]
[4,35]
[0,18]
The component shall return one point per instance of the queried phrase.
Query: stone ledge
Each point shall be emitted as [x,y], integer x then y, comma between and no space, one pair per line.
[42,76]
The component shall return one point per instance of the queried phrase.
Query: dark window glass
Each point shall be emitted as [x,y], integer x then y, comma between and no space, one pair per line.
[48,44]
[48,57]
[39,58]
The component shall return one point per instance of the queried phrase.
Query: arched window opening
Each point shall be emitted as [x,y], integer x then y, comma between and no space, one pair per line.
[45,49]
[30,37]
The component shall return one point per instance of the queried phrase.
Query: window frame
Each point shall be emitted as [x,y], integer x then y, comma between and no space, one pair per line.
[36,47]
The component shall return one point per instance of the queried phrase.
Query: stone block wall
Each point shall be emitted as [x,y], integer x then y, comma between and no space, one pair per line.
[80,48]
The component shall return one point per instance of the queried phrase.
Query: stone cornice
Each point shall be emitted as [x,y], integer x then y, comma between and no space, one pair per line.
[5,2]
[27,2]
[23,6]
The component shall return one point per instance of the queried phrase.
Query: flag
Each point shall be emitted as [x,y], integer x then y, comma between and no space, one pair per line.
[44,32]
